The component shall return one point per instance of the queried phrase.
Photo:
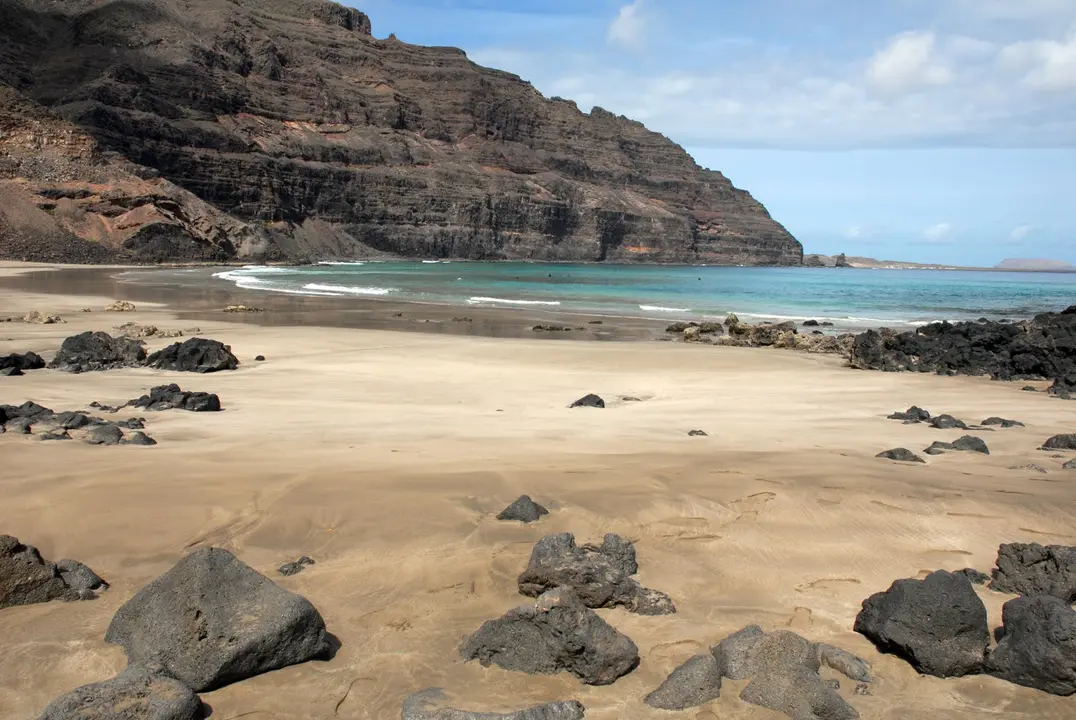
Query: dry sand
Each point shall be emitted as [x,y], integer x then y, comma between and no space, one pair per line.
[386,456]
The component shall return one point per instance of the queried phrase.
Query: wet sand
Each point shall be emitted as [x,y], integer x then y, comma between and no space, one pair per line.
[386,455]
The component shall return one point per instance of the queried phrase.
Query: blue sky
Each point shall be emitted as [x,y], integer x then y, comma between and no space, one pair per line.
[930,130]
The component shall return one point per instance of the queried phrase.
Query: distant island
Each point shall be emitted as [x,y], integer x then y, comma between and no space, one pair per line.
[1034,264]
[1009,264]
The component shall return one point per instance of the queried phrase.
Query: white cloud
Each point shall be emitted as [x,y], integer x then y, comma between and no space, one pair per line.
[627,28]
[909,62]
[1046,64]
[1021,232]
[938,233]
[855,231]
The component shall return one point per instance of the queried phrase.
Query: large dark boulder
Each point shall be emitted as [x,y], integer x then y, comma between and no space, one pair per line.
[1061,442]
[103,435]
[600,575]
[138,693]
[194,355]
[428,705]
[23,362]
[1043,347]
[212,620]
[556,634]
[938,624]
[524,510]
[26,578]
[171,397]
[90,351]
[1038,647]
[1033,569]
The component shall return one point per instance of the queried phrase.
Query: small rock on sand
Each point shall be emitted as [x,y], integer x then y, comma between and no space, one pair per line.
[1061,442]
[968,443]
[1001,422]
[524,510]
[592,401]
[429,705]
[139,692]
[37,317]
[259,358]
[698,433]
[901,455]
[294,568]
[120,306]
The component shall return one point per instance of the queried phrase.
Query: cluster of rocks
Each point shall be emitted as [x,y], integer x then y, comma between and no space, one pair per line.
[26,578]
[17,364]
[1030,349]
[243,309]
[208,622]
[120,306]
[915,415]
[171,397]
[778,335]
[939,625]
[136,331]
[968,443]
[36,317]
[783,669]
[429,705]
[553,328]
[93,351]
[45,424]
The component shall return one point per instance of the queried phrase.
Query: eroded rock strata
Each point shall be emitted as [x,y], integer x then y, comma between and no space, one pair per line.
[272,129]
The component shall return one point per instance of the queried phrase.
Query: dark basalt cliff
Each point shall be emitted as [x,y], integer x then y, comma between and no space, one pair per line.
[283,130]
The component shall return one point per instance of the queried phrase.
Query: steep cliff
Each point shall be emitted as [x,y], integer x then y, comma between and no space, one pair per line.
[282,129]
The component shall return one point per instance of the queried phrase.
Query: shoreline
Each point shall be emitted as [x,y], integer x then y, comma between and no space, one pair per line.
[206,295]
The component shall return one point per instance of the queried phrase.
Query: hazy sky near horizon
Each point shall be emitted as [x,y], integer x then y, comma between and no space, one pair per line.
[930,130]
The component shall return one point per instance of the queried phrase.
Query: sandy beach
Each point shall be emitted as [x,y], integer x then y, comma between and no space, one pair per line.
[386,456]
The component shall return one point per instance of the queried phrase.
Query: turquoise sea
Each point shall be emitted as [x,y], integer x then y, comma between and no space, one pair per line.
[851,298]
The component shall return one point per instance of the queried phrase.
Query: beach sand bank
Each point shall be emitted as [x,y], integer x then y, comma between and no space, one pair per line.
[385,456]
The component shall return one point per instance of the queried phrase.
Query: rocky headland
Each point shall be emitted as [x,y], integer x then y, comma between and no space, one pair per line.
[272,130]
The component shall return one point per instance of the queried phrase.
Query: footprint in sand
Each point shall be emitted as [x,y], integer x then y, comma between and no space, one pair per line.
[977,516]
[1043,533]
[801,619]
[683,528]
[749,508]
[673,653]
[828,584]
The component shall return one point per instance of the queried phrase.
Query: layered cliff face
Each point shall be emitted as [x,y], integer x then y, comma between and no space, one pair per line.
[281,129]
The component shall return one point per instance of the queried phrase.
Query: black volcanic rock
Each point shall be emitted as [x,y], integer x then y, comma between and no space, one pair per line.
[937,624]
[275,129]
[1043,347]
[967,443]
[1038,645]
[901,455]
[212,620]
[22,362]
[912,414]
[1061,442]
[194,355]
[1001,422]
[171,397]
[592,401]
[558,633]
[947,422]
[1033,569]
[26,578]
[600,575]
[524,510]
[91,351]
[138,693]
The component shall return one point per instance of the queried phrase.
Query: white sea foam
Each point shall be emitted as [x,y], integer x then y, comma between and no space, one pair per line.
[349,289]
[659,308]
[344,264]
[507,301]
[430,262]
[245,282]
[270,270]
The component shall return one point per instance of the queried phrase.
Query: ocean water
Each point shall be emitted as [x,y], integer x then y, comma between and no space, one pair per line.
[849,298]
